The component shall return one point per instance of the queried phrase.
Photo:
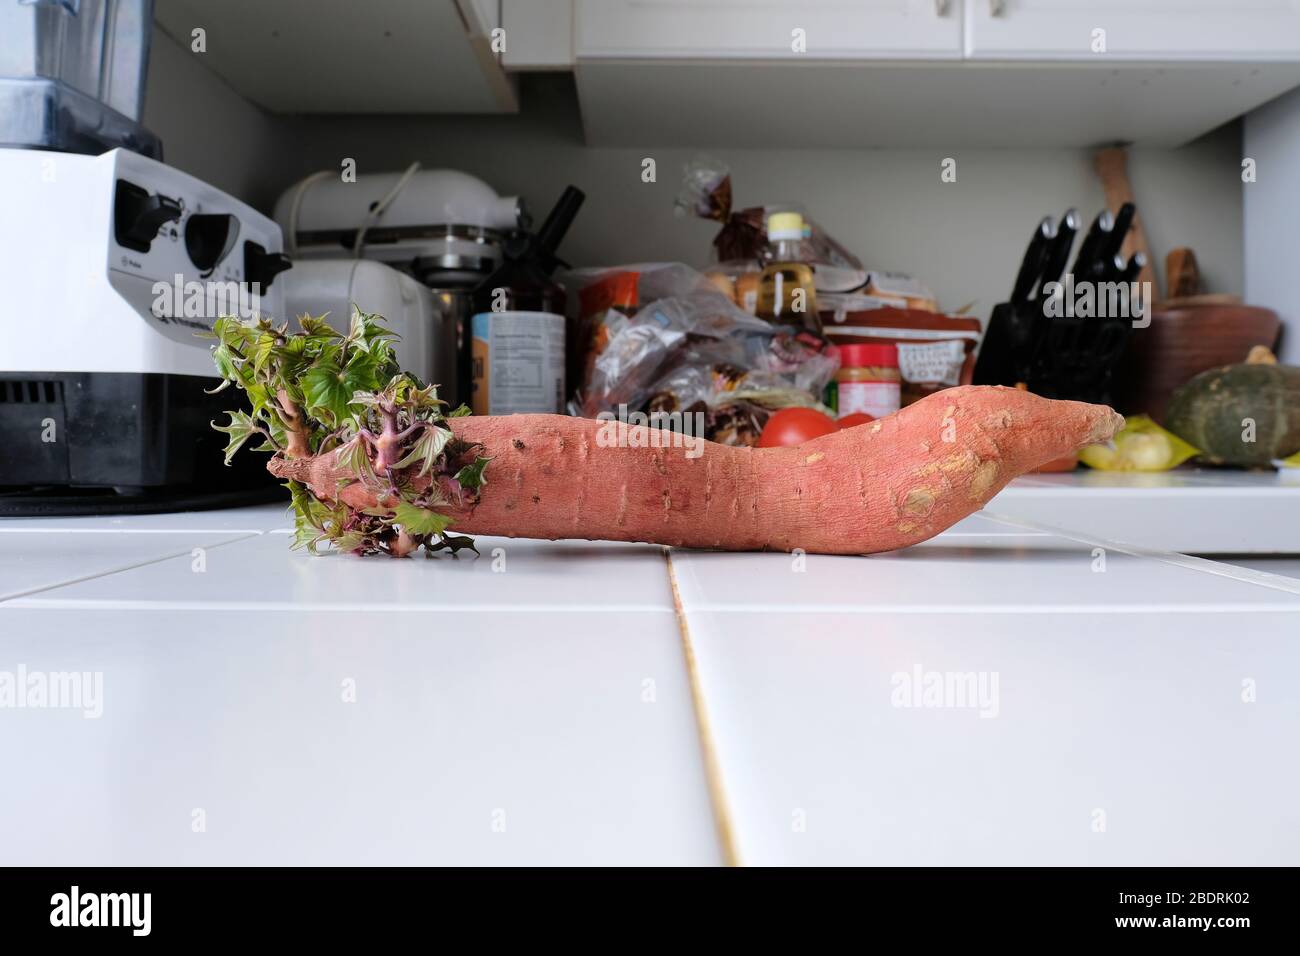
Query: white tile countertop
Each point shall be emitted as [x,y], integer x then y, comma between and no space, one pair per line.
[1031,687]
[1197,510]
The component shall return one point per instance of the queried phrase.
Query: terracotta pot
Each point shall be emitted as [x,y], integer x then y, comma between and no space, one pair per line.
[1183,341]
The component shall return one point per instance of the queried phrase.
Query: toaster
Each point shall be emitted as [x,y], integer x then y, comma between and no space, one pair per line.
[333,288]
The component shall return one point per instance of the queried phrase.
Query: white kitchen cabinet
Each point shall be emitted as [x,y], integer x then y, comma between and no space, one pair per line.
[874,73]
[745,29]
[1158,30]
[1040,30]
[539,34]
[340,56]
[649,103]
[907,73]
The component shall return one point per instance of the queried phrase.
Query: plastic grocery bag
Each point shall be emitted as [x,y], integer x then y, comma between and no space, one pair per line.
[638,346]
[662,338]
[1141,445]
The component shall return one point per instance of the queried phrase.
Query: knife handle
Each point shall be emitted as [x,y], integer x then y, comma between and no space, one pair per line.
[1136,263]
[1113,243]
[1031,266]
[1085,262]
[1058,254]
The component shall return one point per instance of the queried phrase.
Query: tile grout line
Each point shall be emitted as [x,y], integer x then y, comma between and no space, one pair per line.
[17,595]
[1262,579]
[244,531]
[1194,481]
[997,609]
[110,604]
[712,766]
[142,605]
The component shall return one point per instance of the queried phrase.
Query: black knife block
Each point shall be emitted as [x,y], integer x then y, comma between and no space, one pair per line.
[1055,356]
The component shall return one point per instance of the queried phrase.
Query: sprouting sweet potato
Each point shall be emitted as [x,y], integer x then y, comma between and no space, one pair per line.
[871,488]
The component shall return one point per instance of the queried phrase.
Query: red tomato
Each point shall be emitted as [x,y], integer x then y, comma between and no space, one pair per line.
[857,418]
[794,426]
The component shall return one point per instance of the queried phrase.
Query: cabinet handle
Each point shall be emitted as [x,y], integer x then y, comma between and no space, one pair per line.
[942,8]
[997,8]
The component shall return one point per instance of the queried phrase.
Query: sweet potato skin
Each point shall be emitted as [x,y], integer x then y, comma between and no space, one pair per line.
[872,488]
[876,487]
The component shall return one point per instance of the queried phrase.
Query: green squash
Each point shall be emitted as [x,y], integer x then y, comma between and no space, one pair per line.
[1221,410]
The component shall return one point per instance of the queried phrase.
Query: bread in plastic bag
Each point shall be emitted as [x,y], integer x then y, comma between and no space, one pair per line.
[706,192]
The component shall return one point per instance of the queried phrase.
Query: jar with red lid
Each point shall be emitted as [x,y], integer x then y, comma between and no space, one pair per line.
[868,380]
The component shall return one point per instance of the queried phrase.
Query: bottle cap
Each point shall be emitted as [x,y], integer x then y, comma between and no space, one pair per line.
[869,355]
[784,225]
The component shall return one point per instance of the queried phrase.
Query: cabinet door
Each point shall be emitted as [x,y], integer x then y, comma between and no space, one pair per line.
[540,34]
[1133,29]
[768,29]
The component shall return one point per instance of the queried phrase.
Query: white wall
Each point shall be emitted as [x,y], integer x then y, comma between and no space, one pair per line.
[964,239]
[209,130]
[1272,215]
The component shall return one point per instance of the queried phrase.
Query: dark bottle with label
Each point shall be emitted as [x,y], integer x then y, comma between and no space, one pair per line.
[517,354]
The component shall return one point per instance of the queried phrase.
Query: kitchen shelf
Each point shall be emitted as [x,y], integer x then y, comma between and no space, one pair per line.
[888,104]
[339,56]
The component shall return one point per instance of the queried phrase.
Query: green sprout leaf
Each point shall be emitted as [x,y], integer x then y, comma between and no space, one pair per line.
[225,362]
[420,521]
[326,392]
[471,476]
[240,429]
[263,351]
[369,333]
[316,328]
[425,450]
[349,541]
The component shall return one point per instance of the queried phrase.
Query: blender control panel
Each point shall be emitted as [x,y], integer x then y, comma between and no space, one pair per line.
[196,243]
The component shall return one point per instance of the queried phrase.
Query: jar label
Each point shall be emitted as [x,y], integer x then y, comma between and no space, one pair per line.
[932,362]
[518,363]
[877,399]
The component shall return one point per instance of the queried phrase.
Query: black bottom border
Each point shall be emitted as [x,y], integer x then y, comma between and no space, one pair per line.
[373,905]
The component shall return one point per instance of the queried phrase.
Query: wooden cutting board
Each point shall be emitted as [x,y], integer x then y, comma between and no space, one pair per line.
[1112,169]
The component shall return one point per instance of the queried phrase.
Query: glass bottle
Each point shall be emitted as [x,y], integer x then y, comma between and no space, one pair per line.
[786,293]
